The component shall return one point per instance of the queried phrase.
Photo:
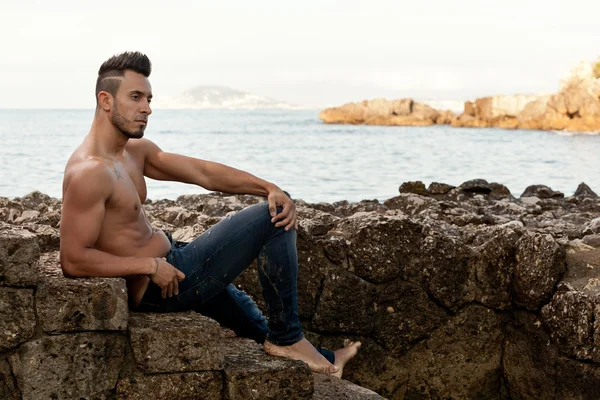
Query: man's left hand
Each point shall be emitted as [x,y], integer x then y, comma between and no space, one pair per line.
[287,217]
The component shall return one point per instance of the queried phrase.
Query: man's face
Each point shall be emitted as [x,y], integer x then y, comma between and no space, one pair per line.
[132,105]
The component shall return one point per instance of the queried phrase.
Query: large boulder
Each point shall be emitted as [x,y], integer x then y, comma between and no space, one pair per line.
[178,342]
[572,314]
[441,266]
[416,187]
[570,318]
[251,374]
[584,190]
[493,263]
[83,365]
[76,305]
[541,263]
[380,245]
[541,192]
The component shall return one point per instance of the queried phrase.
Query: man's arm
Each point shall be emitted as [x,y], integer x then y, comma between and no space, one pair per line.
[164,166]
[210,175]
[87,190]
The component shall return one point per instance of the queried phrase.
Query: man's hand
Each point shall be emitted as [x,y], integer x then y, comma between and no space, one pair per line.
[167,277]
[287,217]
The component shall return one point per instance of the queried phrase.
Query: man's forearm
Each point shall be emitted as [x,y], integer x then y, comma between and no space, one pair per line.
[92,262]
[226,179]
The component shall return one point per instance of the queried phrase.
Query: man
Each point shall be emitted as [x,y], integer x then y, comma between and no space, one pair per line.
[104,230]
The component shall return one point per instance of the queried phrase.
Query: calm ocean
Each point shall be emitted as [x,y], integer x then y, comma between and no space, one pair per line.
[312,161]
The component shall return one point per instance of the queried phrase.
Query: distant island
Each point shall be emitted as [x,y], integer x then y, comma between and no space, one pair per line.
[219,97]
[575,107]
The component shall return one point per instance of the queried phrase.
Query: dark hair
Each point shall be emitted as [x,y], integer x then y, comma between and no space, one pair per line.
[116,66]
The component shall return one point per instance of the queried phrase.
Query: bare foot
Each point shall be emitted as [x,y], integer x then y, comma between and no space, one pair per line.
[343,355]
[303,351]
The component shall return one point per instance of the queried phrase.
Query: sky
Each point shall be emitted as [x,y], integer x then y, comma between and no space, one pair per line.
[309,53]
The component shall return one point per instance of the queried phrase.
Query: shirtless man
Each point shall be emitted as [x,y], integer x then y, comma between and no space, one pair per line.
[104,231]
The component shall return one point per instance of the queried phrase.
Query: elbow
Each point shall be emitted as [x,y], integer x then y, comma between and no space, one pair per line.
[69,267]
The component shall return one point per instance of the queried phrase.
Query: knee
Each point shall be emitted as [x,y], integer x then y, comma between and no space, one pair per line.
[265,212]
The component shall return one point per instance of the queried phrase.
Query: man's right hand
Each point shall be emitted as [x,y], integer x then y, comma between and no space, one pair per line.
[167,277]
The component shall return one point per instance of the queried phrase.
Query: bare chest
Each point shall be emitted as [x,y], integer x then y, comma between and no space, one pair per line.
[129,193]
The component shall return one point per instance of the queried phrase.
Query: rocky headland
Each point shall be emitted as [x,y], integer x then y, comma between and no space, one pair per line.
[575,107]
[456,292]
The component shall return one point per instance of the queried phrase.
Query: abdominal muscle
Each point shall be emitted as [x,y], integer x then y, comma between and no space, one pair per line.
[127,242]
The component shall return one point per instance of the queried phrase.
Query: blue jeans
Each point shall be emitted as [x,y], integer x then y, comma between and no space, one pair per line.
[214,259]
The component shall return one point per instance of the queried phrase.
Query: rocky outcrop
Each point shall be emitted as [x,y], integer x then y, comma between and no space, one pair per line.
[404,112]
[66,338]
[456,292]
[576,107]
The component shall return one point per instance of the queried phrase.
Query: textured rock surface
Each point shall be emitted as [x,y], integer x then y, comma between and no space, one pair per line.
[493,264]
[182,386]
[329,387]
[8,385]
[72,305]
[540,264]
[346,304]
[381,246]
[69,366]
[19,252]
[455,292]
[175,342]
[404,316]
[541,192]
[570,318]
[252,374]
[17,317]
[462,359]
[529,359]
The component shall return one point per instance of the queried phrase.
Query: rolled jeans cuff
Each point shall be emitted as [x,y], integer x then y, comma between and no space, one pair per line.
[285,341]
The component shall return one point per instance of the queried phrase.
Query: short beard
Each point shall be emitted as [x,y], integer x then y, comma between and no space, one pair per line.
[121,123]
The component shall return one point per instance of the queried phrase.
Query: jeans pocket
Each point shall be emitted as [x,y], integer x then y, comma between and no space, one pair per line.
[202,292]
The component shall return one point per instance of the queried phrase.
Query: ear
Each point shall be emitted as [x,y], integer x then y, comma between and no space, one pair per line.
[105,100]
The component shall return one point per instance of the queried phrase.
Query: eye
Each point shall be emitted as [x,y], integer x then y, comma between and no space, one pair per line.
[149,100]
[135,97]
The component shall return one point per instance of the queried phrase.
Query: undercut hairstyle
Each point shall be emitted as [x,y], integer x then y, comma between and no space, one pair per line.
[112,70]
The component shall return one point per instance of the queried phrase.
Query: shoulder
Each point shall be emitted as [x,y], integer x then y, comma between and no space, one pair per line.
[88,178]
[141,147]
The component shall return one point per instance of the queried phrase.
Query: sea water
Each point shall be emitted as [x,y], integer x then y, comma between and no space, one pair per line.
[311,160]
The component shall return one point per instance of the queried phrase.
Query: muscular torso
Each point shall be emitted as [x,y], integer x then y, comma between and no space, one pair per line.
[125,229]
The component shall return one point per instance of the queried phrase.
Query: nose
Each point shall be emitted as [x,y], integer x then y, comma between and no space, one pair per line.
[146,109]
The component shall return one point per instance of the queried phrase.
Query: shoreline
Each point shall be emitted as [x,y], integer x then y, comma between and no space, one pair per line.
[414,187]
